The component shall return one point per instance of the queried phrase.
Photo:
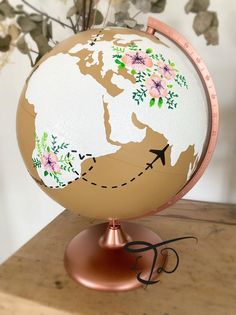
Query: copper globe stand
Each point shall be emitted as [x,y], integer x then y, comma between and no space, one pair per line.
[96,257]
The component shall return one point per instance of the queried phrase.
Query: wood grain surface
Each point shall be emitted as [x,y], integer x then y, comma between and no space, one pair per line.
[33,281]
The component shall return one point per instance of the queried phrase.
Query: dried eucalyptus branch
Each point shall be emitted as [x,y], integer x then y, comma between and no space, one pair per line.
[84,14]
[46,15]
[205,22]
[89,13]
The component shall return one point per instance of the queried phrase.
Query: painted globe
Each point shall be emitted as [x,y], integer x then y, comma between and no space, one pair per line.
[112,123]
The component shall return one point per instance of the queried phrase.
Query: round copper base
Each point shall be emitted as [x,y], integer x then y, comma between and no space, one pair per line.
[105,268]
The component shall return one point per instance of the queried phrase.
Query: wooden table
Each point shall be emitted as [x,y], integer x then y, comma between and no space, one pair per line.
[33,281]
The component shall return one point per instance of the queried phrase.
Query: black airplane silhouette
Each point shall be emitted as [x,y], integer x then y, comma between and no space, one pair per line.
[160,154]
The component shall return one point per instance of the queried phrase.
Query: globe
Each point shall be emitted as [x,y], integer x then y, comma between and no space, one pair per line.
[113,124]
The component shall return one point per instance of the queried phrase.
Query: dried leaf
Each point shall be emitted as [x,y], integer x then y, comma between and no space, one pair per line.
[158,6]
[49,30]
[110,24]
[202,22]
[19,7]
[139,26]
[121,5]
[42,44]
[22,45]
[44,27]
[6,9]
[14,31]
[121,16]
[96,17]
[36,17]
[72,11]
[5,43]
[143,5]
[41,41]
[215,21]
[26,24]
[131,23]
[196,6]
[212,36]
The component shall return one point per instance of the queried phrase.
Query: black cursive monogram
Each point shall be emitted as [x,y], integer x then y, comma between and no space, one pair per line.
[148,246]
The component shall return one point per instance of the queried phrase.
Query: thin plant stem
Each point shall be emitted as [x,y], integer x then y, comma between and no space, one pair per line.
[108,10]
[133,17]
[94,16]
[77,22]
[89,13]
[30,58]
[72,24]
[77,18]
[46,15]
[83,15]
[34,51]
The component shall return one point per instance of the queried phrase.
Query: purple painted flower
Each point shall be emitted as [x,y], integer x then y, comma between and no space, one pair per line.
[50,162]
[137,60]
[156,86]
[166,70]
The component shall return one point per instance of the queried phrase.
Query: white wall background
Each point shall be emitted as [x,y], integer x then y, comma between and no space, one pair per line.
[25,209]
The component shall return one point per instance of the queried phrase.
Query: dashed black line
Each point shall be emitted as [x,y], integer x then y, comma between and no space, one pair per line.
[85,173]
[93,42]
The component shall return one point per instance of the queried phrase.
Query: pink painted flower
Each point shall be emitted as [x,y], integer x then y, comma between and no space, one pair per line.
[166,70]
[138,60]
[156,86]
[50,162]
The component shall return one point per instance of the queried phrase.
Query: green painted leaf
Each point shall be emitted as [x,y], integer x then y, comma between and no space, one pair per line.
[118,61]
[48,149]
[170,86]
[149,50]
[133,71]
[45,173]
[160,102]
[121,65]
[152,102]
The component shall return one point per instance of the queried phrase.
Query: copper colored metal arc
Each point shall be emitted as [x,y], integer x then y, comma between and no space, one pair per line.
[112,268]
[156,26]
